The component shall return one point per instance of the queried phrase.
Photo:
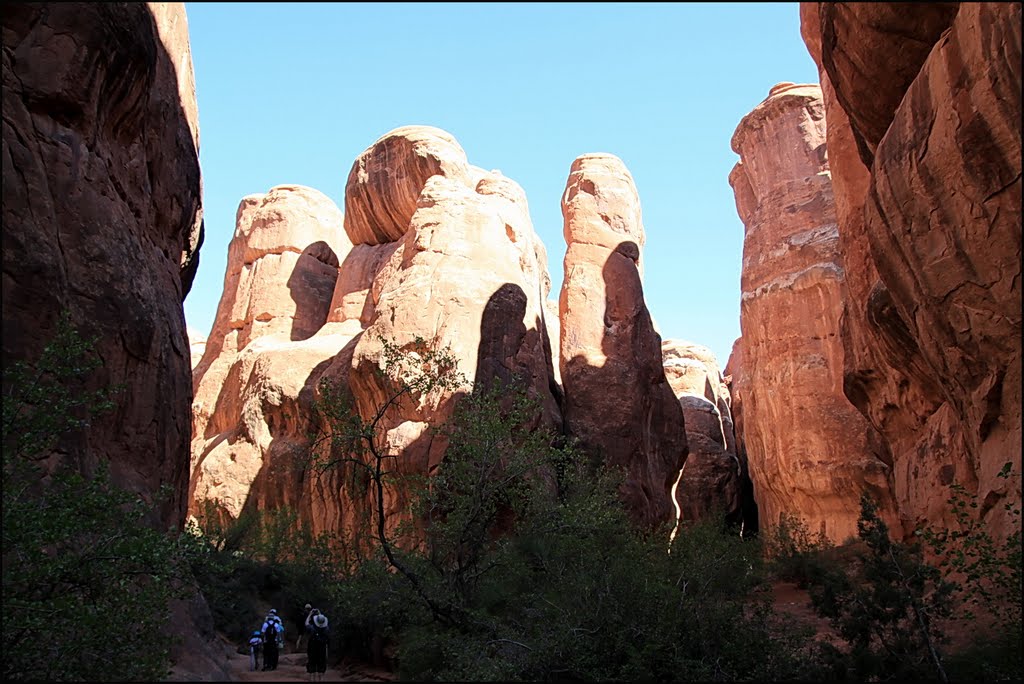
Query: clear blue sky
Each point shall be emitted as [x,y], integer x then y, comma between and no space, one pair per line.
[292,93]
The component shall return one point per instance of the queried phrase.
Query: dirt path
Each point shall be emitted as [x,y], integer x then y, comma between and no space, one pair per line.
[795,602]
[291,667]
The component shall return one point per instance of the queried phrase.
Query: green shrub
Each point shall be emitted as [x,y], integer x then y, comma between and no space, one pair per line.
[530,568]
[87,580]
[887,606]
[794,554]
[986,577]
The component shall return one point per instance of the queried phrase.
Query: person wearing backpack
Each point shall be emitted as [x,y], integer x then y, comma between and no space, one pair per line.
[271,629]
[316,651]
[255,648]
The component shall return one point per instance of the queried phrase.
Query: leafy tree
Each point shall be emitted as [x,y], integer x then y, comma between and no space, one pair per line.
[795,555]
[887,607]
[348,441]
[86,580]
[987,583]
[529,568]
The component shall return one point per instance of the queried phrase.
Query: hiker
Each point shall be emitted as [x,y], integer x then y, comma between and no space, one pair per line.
[255,647]
[307,612]
[272,629]
[316,651]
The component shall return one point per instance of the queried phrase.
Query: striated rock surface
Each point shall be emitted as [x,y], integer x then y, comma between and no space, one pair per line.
[102,219]
[254,384]
[711,476]
[932,329]
[810,452]
[872,52]
[608,340]
[385,182]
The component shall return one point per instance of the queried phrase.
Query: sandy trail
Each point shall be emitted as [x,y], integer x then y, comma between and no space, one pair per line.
[291,667]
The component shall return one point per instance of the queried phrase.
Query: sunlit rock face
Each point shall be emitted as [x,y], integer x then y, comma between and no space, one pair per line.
[252,386]
[468,274]
[310,294]
[810,452]
[617,400]
[711,477]
[197,345]
[102,219]
[928,202]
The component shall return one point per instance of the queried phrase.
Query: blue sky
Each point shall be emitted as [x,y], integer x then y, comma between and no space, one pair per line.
[292,93]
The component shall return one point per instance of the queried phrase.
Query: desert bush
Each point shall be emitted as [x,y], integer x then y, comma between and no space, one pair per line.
[530,569]
[986,578]
[794,554]
[887,605]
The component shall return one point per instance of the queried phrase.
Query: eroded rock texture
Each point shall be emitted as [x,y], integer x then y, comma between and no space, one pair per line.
[102,219]
[309,296]
[930,229]
[253,386]
[197,346]
[468,274]
[617,400]
[810,452]
[711,476]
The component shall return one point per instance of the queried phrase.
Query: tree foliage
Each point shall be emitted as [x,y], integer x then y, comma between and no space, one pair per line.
[529,567]
[86,580]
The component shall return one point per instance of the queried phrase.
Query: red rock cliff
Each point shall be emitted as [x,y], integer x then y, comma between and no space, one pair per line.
[810,452]
[928,197]
[102,218]
[431,247]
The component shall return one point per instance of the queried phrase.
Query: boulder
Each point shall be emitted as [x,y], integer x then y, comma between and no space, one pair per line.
[385,181]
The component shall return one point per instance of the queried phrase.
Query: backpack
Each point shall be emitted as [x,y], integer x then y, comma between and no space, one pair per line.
[270,635]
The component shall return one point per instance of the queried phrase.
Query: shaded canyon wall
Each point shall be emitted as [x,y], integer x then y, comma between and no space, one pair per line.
[923,105]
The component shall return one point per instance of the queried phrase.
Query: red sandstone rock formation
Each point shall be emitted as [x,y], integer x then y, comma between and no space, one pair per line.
[810,452]
[253,386]
[608,340]
[102,218]
[197,346]
[467,272]
[712,473]
[931,234]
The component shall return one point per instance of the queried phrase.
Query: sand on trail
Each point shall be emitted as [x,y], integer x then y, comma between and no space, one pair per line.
[291,667]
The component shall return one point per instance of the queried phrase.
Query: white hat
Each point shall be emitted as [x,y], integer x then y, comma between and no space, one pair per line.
[320,620]
[273,611]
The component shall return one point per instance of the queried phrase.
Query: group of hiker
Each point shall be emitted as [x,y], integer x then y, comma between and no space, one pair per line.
[268,641]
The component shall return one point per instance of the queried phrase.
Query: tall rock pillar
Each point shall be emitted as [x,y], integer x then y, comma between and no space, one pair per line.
[617,400]
[811,453]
